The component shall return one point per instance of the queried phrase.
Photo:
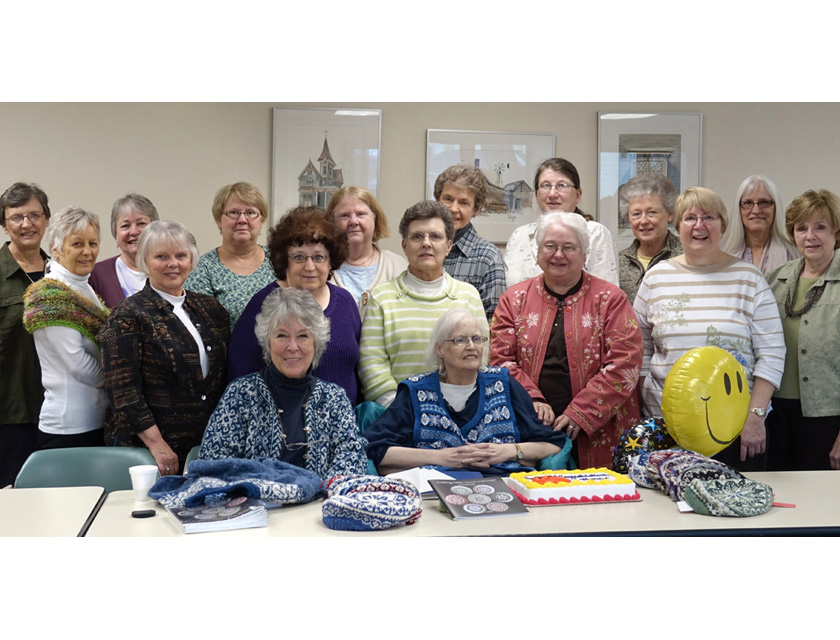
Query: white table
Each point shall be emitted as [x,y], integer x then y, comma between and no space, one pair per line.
[815,493]
[49,511]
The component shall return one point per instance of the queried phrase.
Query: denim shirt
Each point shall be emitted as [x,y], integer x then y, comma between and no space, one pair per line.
[819,337]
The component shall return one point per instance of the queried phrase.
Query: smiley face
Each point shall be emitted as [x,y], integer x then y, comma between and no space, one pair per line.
[706,400]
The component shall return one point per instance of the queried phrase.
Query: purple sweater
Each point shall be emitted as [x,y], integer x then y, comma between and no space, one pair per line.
[338,364]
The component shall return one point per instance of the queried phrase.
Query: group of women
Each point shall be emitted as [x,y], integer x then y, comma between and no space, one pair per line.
[138,350]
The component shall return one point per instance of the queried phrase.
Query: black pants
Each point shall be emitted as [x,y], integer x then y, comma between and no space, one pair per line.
[95,438]
[797,443]
[17,443]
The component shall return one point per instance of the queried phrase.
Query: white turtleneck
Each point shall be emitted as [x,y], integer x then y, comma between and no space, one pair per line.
[71,369]
[177,303]
[425,287]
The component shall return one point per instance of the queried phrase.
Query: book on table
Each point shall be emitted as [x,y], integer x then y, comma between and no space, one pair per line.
[478,498]
[237,513]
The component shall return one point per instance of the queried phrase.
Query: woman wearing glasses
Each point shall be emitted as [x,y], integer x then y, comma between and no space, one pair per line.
[460,415]
[284,411]
[572,340]
[24,216]
[236,270]
[557,188]
[707,297]
[402,313]
[304,247]
[761,237]
[647,201]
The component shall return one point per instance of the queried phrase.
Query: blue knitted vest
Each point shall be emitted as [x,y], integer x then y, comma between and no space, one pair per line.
[494,420]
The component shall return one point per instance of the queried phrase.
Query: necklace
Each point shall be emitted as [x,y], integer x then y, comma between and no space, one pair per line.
[814,294]
[365,262]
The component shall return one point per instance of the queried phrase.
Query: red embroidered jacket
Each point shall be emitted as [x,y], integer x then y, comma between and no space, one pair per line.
[604,350]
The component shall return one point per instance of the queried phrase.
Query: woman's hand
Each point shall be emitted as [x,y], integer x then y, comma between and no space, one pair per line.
[753,437]
[476,455]
[163,454]
[834,454]
[544,412]
[565,422]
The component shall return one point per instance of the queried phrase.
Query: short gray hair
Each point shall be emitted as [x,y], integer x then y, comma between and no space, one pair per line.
[160,232]
[572,221]
[647,184]
[443,327]
[69,220]
[427,210]
[128,203]
[284,304]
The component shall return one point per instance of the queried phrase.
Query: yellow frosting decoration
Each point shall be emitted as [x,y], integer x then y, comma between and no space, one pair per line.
[591,477]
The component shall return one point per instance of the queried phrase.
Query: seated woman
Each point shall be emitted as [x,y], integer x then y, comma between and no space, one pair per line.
[462,415]
[573,342]
[164,353]
[318,427]
[64,314]
[305,247]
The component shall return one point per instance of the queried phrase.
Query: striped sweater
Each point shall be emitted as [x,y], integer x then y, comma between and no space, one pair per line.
[727,305]
[397,327]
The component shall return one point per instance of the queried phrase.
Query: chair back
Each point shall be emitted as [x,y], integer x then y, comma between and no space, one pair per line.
[82,466]
[192,455]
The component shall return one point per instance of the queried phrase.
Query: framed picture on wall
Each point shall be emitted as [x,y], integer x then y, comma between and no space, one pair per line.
[633,143]
[507,160]
[319,150]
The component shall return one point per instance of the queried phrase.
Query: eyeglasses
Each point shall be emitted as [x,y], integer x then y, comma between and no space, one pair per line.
[566,249]
[650,215]
[691,220]
[297,446]
[463,341]
[19,218]
[234,215]
[417,237]
[747,205]
[562,187]
[299,258]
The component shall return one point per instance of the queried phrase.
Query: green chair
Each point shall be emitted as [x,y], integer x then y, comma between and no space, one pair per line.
[82,466]
[192,455]
[366,414]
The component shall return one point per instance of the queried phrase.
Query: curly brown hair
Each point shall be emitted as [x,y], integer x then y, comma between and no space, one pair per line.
[300,226]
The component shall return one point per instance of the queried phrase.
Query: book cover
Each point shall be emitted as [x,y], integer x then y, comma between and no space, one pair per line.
[479,498]
[238,513]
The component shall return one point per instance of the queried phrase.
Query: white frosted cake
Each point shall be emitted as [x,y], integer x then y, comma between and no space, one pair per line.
[572,487]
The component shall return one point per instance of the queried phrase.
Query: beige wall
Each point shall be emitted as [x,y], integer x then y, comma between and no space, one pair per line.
[179,154]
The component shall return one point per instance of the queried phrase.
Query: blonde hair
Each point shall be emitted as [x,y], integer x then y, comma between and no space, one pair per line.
[704,199]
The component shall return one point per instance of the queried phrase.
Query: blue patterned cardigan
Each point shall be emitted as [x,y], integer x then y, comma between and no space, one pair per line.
[246,424]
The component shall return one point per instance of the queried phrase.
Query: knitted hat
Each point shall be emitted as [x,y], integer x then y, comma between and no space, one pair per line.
[370,503]
[729,497]
[648,434]
[707,469]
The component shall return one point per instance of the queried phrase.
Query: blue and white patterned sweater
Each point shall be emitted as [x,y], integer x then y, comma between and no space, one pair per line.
[246,424]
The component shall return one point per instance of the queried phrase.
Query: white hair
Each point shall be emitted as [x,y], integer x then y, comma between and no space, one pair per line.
[733,237]
[572,221]
[440,333]
[160,232]
[69,220]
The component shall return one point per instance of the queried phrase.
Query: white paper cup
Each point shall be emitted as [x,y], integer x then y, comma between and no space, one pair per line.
[143,476]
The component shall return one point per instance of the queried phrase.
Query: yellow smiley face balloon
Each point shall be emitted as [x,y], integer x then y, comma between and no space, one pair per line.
[706,400]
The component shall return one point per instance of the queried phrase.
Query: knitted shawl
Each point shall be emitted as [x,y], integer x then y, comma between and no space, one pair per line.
[51,303]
